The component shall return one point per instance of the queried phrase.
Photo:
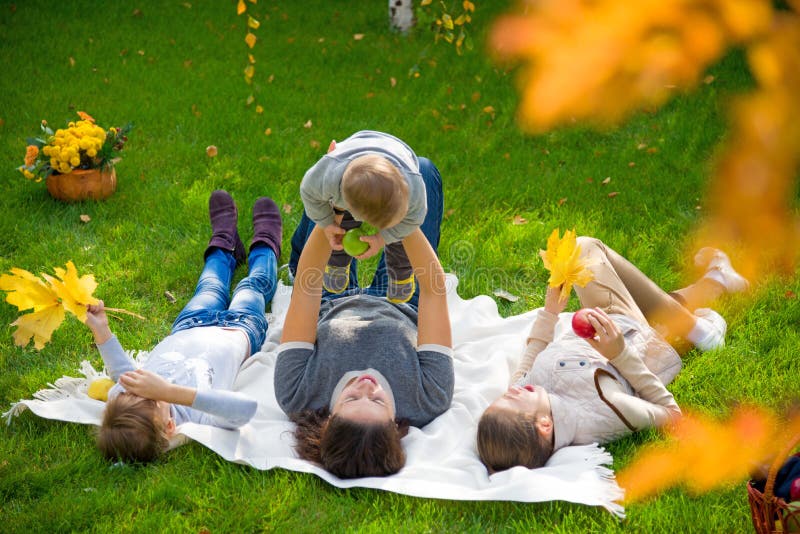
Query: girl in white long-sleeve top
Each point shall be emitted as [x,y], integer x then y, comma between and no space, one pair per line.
[568,390]
[189,375]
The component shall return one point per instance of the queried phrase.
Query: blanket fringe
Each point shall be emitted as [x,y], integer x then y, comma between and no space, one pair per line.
[612,493]
[70,386]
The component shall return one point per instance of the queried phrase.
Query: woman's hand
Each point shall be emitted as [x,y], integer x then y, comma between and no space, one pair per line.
[334,233]
[375,243]
[552,300]
[609,340]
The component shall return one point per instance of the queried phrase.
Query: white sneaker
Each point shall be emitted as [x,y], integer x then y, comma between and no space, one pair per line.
[715,327]
[718,267]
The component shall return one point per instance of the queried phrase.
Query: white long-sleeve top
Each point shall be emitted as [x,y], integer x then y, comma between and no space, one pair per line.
[207,359]
[594,399]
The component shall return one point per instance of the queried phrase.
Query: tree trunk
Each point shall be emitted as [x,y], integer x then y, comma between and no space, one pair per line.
[401,14]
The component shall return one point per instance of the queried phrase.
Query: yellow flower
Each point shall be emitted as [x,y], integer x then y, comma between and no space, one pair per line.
[28,174]
[91,152]
[75,161]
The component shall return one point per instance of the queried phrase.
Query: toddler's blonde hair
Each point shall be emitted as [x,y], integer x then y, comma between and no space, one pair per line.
[375,191]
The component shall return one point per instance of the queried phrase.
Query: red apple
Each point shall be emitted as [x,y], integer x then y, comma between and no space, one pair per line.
[581,324]
[794,490]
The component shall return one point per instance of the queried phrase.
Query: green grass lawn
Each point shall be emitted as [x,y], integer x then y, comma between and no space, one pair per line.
[175,69]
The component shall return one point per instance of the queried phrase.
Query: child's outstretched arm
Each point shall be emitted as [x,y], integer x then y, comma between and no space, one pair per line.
[542,330]
[115,359]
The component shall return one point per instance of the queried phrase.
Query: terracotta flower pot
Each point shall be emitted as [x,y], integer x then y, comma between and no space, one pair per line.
[82,184]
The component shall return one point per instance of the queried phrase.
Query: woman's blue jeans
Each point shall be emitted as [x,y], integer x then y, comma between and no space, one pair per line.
[211,304]
[431,227]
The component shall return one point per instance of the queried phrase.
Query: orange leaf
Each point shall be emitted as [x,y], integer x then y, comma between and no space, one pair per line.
[250,39]
[241,7]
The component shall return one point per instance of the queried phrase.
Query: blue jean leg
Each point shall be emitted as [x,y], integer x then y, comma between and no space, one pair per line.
[431,227]
[250,297]
[213,286]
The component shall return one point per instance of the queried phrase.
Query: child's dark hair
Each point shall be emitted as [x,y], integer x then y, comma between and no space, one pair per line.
[132,430]
[507,438]
[349,449]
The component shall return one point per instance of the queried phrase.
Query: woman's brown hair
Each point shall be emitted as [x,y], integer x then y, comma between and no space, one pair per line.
[507,439]
[375,190]
[349,449]
[132,430]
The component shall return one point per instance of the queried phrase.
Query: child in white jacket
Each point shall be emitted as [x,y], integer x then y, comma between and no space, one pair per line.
[570,391]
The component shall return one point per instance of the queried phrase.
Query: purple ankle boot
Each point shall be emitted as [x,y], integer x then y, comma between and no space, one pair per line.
[267,226]
[223,214]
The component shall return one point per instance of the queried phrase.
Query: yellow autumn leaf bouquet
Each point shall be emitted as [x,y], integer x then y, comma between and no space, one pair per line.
[48,298]
[563,259]
[83,144]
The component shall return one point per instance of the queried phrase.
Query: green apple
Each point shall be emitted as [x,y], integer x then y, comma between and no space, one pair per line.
[352,244]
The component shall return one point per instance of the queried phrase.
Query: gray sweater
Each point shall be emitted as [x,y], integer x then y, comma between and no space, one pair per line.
[360,332]
[321,188]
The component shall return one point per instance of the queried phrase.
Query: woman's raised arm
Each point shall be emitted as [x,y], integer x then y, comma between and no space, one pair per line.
[433,324]
[301,318]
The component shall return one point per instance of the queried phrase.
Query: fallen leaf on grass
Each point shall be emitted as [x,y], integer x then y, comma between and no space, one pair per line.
[211,151]
[562,201]
[314,144]
[170,297]
[392,81]
[358,36]
[268,131]
[85,218]
[287,208]
[606,181]
[308,124]
[519,219]
[503,294]
[613,194]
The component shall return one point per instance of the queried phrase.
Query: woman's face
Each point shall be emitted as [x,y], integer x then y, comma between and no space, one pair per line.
[364,400]
[532,400]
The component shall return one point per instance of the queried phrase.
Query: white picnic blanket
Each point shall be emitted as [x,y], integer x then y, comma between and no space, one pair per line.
[442,460]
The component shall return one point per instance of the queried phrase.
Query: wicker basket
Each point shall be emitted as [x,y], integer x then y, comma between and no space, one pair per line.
[771,514]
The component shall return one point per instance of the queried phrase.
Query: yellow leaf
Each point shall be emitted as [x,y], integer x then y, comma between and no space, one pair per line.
[75,292]
[563,259]
[241,7]
[460,20]
[250,39]
[26,291]
[425,3]
[252,23]
[38,325]
[447,21]
[468,6]
[249,71]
